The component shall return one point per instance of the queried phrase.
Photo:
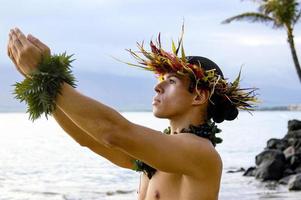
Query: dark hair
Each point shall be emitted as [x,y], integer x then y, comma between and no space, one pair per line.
[219,107]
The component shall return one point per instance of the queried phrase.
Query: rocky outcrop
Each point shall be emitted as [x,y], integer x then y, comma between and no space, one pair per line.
[281,159]
[270,165]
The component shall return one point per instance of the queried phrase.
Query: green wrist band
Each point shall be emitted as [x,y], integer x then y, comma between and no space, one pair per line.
[41,88]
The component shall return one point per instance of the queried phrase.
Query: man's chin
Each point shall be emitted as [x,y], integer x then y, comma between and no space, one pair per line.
[159,114]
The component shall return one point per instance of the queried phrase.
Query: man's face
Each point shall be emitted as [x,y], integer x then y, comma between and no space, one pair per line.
[172,98]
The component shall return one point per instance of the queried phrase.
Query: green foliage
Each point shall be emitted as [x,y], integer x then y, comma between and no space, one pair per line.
[251,17]
[282,13]
[207,130]
[41,88]
[140,166]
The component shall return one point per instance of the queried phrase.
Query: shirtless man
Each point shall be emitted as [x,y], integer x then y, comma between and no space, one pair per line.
[187,167]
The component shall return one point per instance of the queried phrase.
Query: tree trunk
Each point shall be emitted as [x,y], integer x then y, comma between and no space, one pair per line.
[291,42]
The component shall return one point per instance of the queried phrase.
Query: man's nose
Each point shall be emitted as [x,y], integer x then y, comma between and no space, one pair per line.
[158,88]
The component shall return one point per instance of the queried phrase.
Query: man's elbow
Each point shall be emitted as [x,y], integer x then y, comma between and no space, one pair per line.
[114,137]
[109,141]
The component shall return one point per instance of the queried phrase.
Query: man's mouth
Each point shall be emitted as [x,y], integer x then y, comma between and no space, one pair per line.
[156,101]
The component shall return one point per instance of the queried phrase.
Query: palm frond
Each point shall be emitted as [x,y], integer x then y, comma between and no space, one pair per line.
[268,7]
[250,16]
[295,21]
[256,1]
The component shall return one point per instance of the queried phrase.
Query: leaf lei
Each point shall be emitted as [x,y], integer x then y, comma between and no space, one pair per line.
[207,130]
[40,89]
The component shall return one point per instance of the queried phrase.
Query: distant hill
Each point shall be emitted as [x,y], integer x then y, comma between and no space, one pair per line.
[126,93]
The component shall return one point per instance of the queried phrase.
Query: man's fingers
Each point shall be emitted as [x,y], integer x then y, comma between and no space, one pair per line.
[44,48]
[9,45]
[13,50]
[13,60]
[16,65]
[21,36]
[8,52]
[16,42]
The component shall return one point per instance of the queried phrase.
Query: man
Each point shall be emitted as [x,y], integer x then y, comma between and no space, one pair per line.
[182,164]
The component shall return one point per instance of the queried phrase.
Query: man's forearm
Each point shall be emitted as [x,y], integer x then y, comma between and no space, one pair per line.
[115,156]
[69,127]
[97,119]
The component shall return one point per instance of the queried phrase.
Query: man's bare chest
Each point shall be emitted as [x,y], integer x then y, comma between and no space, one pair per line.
[168,186]
[165,186]
[161,186]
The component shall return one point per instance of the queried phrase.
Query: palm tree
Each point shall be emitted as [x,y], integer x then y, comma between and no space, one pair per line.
[279,13]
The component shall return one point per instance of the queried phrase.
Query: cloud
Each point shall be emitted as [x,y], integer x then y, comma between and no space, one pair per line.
[256,38]
[95,29]
[261,40]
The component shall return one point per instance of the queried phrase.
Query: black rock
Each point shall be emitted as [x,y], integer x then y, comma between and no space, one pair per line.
[236,170]
[295,160]
[285,180]
[291,141]
[293,134]
[289,152]
[288,172]
[294,125]
[298,169]
[270,154]
[298,148]
[295,182]
[250,171]
[279,144]
[270,170]
[270,165]
[280,162]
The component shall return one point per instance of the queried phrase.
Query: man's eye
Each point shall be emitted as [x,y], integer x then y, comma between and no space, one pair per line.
[172,81]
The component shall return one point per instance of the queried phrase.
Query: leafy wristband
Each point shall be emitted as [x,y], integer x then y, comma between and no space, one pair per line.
[41,87]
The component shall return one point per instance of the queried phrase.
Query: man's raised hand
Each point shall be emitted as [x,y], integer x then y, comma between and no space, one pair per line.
[25,52]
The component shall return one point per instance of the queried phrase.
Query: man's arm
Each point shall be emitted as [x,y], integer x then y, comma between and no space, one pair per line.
[26,52]
[114,155]
[182,153]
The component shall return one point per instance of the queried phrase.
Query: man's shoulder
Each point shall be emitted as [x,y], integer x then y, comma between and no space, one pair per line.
[203,151]
[198,142]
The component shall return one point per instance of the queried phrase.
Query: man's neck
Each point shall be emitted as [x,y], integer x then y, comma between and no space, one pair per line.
[177,124]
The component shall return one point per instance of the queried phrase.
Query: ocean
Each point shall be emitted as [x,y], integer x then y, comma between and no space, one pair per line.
[38,161]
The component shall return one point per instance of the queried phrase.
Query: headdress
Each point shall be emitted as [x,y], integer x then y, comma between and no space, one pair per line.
[225,97]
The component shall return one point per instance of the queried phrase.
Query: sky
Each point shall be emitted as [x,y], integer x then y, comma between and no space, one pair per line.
[96,30]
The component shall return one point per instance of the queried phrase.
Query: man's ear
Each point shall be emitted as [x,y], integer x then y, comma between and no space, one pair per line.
[200,97]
